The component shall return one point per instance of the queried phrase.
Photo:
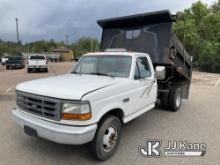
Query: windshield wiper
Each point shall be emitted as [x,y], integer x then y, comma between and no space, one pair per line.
[101,74]
[98,73]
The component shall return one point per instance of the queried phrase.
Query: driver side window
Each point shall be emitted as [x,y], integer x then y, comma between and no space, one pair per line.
[142,69]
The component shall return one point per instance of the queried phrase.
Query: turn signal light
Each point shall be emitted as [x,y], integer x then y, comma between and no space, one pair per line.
[69,116]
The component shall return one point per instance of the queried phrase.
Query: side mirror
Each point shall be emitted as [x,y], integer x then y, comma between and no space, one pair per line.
[160,72]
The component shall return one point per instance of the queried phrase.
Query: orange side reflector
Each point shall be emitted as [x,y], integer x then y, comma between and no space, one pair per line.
[69,116]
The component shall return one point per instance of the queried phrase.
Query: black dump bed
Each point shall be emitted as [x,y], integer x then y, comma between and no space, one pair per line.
[149,33]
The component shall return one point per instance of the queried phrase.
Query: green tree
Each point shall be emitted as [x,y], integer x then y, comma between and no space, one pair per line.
[209,59]
[84,45]
[215,8]
[202,34]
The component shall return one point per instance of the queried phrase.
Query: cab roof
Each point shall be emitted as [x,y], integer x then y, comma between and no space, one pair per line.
[122,53]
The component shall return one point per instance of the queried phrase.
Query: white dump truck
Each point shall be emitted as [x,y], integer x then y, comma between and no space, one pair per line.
[110,88]
[103,92]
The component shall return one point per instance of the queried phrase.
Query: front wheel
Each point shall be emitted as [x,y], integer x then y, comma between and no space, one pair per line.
[175,99]
[106,138]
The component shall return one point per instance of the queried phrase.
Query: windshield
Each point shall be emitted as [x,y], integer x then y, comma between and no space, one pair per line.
[106,65]
[15,58]
[37,58]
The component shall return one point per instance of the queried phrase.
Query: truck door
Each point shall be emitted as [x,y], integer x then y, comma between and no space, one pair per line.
[145,82]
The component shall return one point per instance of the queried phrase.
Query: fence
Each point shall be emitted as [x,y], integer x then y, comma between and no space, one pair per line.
[53,57]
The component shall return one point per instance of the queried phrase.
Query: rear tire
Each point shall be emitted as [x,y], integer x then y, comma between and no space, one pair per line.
[164,101]
[107,138]
[29,70]
[175,99]
[7,67]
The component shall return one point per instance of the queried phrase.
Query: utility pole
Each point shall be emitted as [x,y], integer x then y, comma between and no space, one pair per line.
[91,46]
[16,20]
[67,42]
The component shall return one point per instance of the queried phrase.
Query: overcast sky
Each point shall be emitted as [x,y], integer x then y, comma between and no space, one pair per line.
[46,19]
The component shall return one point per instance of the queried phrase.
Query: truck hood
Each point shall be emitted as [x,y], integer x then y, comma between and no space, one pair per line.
[69,86]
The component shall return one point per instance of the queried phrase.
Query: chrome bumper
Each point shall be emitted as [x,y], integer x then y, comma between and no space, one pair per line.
[38,67]
[55,132]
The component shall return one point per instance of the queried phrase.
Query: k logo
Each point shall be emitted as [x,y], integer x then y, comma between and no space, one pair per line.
[151,148]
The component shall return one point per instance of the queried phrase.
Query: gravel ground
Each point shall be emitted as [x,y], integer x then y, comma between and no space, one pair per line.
[197,121]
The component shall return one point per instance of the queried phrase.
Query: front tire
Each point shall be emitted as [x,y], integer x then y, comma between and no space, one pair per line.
[107,138]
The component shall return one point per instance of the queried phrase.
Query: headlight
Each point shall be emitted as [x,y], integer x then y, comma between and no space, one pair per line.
[76,111]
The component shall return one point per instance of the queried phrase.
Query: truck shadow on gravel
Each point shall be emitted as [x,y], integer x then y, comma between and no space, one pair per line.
[57,151]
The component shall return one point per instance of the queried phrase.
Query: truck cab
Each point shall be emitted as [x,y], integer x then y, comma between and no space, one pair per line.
[101,93]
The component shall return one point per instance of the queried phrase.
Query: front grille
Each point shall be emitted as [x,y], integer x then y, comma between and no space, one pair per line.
[39,105]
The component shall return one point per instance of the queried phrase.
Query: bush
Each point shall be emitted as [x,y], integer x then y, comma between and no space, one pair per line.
[209,57]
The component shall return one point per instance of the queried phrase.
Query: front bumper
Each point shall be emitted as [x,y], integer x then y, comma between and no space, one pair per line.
[63,134]
[38,67]
[14,65]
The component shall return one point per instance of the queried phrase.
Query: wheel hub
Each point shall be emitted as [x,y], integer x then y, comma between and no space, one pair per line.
[109,138]
[178,100]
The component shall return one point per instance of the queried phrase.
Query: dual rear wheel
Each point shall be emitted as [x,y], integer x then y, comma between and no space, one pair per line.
[172,100]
